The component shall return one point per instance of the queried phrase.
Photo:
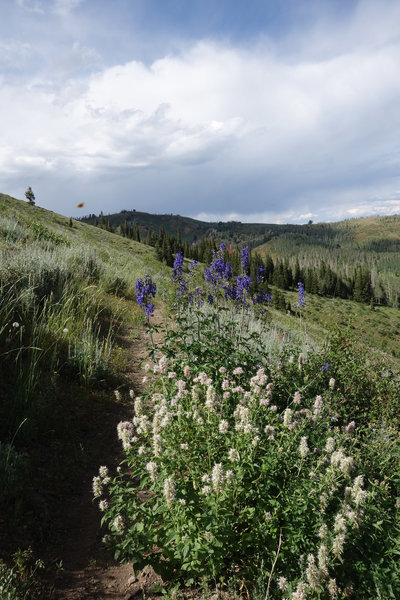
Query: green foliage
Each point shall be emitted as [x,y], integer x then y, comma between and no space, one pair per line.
[241,466]
[42,233]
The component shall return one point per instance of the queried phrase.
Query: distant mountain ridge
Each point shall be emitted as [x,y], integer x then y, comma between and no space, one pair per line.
[379,234]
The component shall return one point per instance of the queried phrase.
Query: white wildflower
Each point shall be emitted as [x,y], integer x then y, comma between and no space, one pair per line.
[103,472]
[223,427]
[303,447]
[138,407]
[300,593]
[15,325]
[157,448]
[318,405]
[142,450]
[283,584]
[330,445]
[152,470]
[206,490]
[233,455]
[349,427]
[338,544]
[117,395]
[186,371]
[312,573]
[210,398]
[217,478]
[97,487]
[332,383]
[222,370]
[169,491]
[103,505]
[255,441]
[206,478]
[229,476]
[333,588]
[125,432]
[323,560]
[323,531]
[185,447]
[171,375]
[131,394]
[119,524]
[287,417]
[65,330]
[237,371]
[340,524]
[182,501]
[346,465]
[297,398]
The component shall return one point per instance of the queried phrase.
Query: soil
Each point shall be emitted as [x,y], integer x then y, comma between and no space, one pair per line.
[88,571]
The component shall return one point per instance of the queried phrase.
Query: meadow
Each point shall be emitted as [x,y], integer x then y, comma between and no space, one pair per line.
[263,458]
[264,468]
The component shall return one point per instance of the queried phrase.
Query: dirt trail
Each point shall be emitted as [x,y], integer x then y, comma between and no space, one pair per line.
[89,572]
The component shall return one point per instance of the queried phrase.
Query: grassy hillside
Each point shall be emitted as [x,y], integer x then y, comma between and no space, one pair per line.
[67,299]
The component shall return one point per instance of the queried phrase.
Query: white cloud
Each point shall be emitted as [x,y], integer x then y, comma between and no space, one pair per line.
[261,124]
[61,7]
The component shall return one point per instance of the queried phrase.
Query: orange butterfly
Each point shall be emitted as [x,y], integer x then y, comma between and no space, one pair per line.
[81,205]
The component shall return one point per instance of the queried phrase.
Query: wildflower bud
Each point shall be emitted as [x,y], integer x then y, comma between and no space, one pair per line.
[332,383]
[65,330]
[186,371]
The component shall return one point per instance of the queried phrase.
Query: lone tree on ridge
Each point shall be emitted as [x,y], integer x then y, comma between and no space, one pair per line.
[30,196]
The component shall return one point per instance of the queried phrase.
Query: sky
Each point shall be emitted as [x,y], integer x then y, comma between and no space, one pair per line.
[249,110]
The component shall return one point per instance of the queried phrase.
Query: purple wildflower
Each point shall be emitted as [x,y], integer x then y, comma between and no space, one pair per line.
[178,266]
[302,295]
[146,289]
[245,261]
[261,274]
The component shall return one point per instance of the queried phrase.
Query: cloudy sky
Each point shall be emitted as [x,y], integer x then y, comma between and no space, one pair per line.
[253,110]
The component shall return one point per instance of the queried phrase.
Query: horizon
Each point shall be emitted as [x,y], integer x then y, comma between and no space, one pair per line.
[264,113]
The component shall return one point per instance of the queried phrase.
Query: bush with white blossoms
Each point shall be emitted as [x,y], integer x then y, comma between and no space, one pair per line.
[238,468]
[214,485]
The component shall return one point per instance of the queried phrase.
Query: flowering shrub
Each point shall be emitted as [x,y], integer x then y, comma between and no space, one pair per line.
[219,480]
